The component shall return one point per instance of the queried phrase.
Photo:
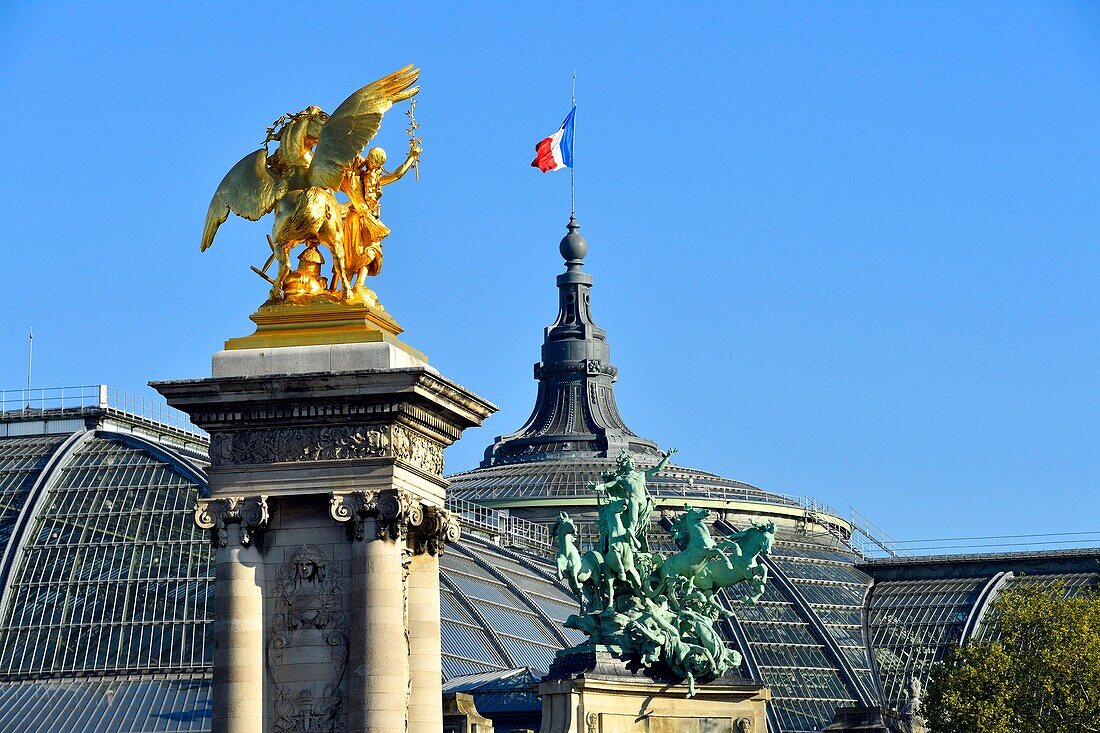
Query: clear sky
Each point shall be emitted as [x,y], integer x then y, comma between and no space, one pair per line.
[841,250]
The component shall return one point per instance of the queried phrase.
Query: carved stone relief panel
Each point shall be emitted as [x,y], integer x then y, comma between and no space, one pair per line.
[308,646]
[326,443]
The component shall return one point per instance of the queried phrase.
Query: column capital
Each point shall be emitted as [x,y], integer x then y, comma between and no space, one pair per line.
[394,509]
[249,512]
[438,528]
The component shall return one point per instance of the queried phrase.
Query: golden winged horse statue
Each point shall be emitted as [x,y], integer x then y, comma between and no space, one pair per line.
[299,181]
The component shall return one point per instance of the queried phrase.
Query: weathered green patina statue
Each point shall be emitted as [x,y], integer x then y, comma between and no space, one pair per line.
[628,484]
[658,611]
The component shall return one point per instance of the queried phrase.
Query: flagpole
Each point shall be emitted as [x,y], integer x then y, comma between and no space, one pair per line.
[572,179]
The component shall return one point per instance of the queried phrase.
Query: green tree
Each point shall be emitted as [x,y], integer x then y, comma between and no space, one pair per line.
[1038,672]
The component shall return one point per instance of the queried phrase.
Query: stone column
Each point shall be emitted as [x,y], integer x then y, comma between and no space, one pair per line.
[238,641]
[425,669]
[379,682]
[378,653]
[238,612]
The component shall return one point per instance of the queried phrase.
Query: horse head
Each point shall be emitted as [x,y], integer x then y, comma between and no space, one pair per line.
[693,517]
[564,525]
[767,535]
[690,523]
[298,135]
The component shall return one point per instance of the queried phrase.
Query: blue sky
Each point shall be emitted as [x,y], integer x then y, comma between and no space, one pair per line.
[845,250]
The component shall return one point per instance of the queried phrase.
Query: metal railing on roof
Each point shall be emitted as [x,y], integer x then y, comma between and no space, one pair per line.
[692,489]
[989,545]
[515,486]
[48,401]
[501,527]
[870,541]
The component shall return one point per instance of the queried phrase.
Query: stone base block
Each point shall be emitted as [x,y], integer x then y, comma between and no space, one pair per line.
[592,691]
[314,359]
[460,715]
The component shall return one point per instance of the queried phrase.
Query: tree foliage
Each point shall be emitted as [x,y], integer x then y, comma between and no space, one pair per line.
[1039,672]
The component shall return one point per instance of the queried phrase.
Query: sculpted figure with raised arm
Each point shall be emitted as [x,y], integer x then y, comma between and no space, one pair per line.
[363,227]
[629,484]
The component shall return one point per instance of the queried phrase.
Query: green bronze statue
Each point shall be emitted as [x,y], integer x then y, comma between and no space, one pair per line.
[583,573]
[747,549]
[659,611]
[628,484]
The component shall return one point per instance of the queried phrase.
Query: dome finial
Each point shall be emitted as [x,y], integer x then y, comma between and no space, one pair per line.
[573,245]
[575,412]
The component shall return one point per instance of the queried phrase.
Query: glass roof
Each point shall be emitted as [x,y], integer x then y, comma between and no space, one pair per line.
[113,576]
[106,575]
[913,622]
[569,477]
[105,705]
[835,591]
[21,461]
[1072,584]
[497,624]
[792,660]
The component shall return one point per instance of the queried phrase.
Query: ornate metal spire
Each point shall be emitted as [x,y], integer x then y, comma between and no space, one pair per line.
[575,411]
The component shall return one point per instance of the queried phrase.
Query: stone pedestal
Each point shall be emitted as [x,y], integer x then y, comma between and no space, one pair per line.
[592,691]
[327,512]
[460,715]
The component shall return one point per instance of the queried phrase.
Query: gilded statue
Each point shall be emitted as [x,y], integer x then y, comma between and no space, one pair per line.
[318,156]
[363,227]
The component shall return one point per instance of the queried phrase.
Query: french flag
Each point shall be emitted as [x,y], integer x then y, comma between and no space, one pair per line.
[556,152]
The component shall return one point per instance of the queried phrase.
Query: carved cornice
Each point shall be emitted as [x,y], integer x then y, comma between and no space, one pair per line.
[225,403]
[393,509]
[249,512]
[270,416]
[438,528]
[326,443]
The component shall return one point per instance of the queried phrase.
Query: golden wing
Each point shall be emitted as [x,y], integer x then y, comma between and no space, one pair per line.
[355,123]
[248,190]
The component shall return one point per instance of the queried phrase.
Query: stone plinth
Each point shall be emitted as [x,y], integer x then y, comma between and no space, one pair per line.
[593,691]
[460,715]
[327,512]
[280,325]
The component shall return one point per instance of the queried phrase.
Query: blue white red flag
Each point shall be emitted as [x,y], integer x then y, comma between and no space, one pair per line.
[556,152]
